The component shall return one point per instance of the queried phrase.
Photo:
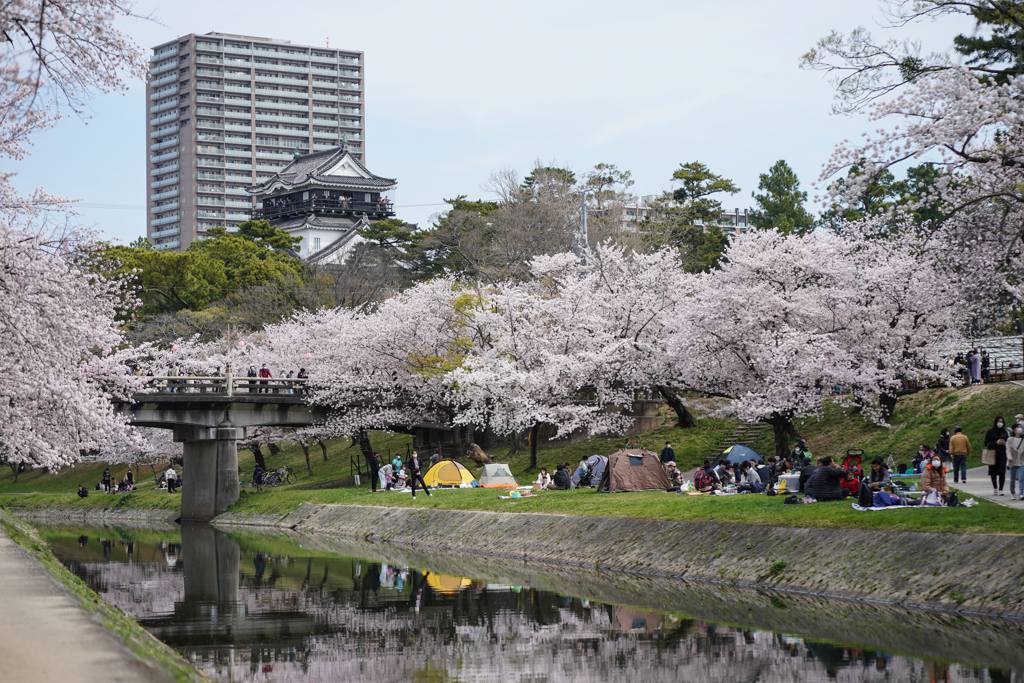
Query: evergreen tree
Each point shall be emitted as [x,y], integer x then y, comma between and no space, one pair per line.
[781,204]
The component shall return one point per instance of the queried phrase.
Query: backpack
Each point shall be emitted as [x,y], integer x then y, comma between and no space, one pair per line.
[865,496]
[701,479]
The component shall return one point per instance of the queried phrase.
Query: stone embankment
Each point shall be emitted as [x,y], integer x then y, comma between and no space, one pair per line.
[964,572]
[968,573]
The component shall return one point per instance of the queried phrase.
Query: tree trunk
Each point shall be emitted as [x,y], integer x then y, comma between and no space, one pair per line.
[783,428]
[684,417]
[257,452]
[274,450]
[534,438]
[887,403]
[517,442]
[457,441]
[323,447]
[365,447]
[14,469]
[304,445]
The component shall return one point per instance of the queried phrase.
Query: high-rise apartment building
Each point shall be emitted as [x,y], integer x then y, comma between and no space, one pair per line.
[228,111]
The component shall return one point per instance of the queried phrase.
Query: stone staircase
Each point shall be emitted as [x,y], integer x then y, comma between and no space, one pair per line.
[744,433]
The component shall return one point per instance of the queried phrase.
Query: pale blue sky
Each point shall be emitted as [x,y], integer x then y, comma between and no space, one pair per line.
[456,89]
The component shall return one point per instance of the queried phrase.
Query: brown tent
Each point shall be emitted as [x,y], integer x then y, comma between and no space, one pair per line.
[633,470]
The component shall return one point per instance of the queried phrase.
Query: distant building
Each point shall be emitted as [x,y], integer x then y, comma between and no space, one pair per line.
[324,198]
[736,222]
[226,111]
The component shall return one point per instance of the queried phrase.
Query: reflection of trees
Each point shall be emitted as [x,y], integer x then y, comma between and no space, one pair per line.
[359,629]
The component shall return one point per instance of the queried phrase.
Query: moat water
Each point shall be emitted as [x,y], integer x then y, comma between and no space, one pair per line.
[284,607]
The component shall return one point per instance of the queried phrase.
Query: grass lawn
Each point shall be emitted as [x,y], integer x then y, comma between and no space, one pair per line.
[918,419]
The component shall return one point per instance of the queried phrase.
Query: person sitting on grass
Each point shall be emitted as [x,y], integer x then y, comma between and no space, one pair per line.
[879,478]
[750,480]
[933,478]
[675,477]
[543,478]
[850,483]
[826,482]
[806,473]
[561,480]
[82,493]
[705,479]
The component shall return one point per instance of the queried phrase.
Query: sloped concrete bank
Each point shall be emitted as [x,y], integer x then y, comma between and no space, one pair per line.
[979,573]
[964,573]
[91,516]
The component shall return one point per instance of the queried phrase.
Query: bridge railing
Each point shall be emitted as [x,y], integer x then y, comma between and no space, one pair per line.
[228,385]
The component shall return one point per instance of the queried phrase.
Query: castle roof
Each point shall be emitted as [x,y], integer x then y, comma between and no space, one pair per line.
[333,168]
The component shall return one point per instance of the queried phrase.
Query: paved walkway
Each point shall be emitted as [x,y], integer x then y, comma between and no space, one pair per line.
[980,486]
[46,635]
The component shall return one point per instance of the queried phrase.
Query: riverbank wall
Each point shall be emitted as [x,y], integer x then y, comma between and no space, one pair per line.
[967,573]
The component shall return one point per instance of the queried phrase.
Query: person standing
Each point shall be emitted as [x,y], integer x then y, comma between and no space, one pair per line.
[975,366]
[106,480]
[1015,462]
[435,458]
[252,382]
[985,365]
[667,455]
[415,473]
[959,450]
[995,439]
[131,478]
[374,463]
[942,448]
[172,479]
[265,375]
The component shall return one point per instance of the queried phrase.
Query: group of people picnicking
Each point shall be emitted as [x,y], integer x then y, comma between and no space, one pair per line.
[169,480]
[827,480]
[397,475]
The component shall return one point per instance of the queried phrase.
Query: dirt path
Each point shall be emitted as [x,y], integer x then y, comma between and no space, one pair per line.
[46,635]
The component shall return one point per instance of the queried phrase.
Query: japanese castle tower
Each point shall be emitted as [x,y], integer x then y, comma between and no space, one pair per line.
[324,197]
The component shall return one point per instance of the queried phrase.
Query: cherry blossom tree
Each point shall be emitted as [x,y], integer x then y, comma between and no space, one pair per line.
[58,335]
[971,129]
[789,318]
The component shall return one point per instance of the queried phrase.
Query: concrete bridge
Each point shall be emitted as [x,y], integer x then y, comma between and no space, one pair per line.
[208,416]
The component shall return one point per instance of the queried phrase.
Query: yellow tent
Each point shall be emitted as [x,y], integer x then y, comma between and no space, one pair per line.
[445,584]
[447,473]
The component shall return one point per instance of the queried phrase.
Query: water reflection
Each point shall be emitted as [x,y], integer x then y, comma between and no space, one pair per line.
[247,608]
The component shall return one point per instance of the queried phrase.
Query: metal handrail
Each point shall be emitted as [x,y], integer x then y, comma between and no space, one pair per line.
[228,384]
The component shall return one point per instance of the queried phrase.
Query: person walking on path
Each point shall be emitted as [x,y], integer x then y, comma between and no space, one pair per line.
[172,479]
[374,463]
[942,448]
[106,480]
[1015,462]
[959,450]
[995,439]
[415,473]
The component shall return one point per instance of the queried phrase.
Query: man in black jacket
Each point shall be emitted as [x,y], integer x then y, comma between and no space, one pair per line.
[825,483]
[805,473]
[561,480]
[374,464]
[667,455]
[413,466]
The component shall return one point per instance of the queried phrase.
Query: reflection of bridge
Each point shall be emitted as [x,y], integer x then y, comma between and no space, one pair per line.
[208,416]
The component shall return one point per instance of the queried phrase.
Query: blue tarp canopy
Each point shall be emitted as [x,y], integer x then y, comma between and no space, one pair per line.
[738,453]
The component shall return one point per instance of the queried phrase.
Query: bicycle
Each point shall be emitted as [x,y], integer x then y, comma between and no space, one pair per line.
[280,476]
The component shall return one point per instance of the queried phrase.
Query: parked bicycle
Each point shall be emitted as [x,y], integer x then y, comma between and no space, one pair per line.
[279,476]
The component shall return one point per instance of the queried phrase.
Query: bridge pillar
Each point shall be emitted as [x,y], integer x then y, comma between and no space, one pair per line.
[210,482]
